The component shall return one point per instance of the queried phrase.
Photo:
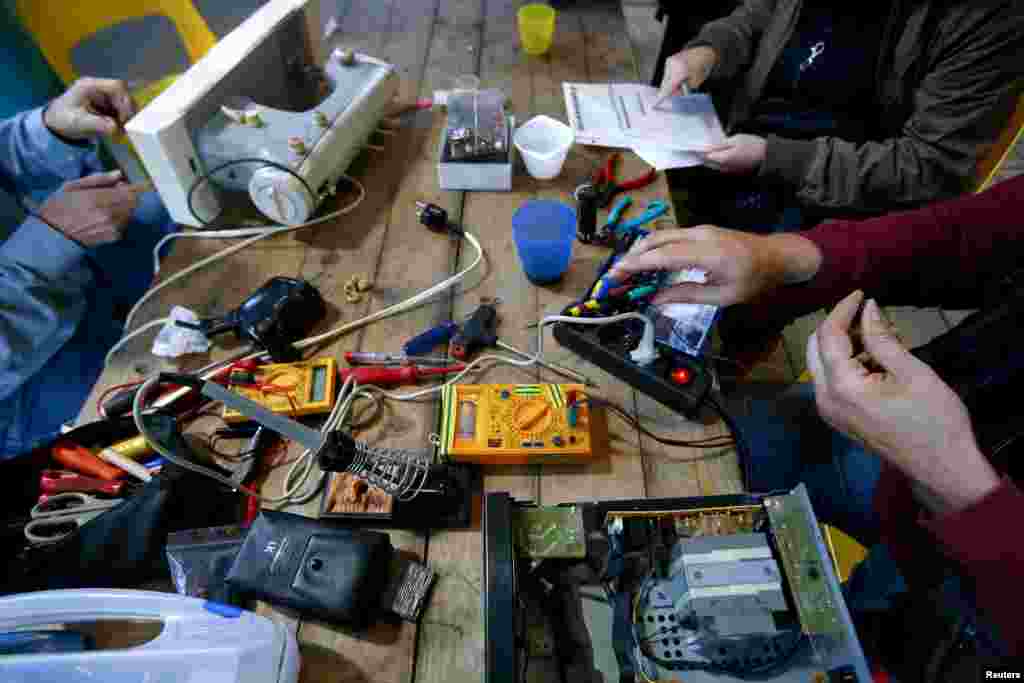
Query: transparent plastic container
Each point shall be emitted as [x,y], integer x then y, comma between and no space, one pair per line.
[544,143]
[201,641]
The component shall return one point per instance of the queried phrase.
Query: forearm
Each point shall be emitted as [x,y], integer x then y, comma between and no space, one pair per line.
[33,158]
[43,283]
[833,174]
[941,255]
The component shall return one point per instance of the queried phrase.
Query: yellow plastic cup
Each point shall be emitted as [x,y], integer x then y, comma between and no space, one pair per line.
[536,28]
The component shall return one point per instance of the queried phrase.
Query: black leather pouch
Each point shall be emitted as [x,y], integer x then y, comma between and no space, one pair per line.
[333,573]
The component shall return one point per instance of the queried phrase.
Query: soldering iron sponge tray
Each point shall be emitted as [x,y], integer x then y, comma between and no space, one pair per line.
[333,573]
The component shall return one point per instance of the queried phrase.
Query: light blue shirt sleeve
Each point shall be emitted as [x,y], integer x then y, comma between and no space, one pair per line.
[33,158]
[44,277]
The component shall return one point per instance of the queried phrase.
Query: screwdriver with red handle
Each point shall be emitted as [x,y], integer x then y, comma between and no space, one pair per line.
[390,377]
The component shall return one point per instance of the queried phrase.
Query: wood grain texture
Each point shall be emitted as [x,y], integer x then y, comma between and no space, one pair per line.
[375,241]
[431,42]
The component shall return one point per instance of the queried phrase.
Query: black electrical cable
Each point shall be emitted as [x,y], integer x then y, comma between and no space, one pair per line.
[208,176]
[742,448]
[710,442]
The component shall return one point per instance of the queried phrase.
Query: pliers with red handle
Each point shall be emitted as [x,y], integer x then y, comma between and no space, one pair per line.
[607,186]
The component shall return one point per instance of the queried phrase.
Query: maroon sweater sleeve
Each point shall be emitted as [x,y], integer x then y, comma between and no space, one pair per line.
[940,255]
[982,539]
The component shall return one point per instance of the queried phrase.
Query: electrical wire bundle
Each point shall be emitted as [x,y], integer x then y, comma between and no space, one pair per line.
[296,488]
[698,649]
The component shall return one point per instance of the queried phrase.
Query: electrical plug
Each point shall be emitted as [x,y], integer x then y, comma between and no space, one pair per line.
[435,218]
[645,353]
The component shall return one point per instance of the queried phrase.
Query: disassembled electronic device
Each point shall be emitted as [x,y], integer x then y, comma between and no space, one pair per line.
[550,532]
[305,388]
[477,127]
[509,424]
[258,96]
[701,590]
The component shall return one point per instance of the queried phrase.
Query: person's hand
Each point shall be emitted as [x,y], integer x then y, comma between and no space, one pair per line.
[740,266]
[739,154]
[90,107]
[691,67]
[903,411]
[93,210]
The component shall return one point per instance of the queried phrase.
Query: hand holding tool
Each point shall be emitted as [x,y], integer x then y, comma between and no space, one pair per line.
[384,377]
[61,481]
[62,515]
[82,460]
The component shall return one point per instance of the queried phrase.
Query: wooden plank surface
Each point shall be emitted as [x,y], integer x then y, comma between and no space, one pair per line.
[370,243]
[431,43]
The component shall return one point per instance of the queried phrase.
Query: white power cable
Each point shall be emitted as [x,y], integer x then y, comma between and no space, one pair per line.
[401,307]
[300,471]
[132,335]
[302,468]
[527,362]
[257,235]
[295,490]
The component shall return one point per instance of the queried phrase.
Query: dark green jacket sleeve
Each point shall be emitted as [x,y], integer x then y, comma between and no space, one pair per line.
[961,104]
[735,37]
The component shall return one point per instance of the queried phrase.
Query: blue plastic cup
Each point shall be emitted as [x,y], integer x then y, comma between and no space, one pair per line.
[544,232]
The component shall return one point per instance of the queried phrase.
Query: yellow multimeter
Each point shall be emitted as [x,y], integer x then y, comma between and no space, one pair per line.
[293,389]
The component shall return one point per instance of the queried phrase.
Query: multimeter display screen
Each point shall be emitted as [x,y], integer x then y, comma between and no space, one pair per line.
[319,384]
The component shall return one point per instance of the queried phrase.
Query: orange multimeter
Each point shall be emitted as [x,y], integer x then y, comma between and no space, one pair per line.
[511,424]
[292,389]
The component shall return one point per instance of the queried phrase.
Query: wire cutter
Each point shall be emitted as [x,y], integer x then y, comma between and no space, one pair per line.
[607,186]
[62,515]
[616,230]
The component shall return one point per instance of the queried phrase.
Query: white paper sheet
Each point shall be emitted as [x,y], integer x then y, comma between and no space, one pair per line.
[624,115]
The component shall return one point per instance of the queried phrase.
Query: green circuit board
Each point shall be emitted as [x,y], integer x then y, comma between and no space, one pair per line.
[550,532]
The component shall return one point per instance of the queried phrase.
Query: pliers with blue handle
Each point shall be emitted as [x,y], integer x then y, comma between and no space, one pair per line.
[614,229]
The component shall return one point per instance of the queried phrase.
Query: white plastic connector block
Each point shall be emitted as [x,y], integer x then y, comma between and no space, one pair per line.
[645,353]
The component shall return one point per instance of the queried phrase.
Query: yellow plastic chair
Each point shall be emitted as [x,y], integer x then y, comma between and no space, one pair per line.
[58,26]
[992,163]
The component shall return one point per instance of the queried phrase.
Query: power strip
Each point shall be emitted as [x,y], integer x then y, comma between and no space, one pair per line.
[655,379]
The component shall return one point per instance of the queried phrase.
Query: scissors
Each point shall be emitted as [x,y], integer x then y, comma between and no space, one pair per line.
[62,515]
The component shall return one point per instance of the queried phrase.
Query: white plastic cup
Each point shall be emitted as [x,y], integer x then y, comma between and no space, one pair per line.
[544,143]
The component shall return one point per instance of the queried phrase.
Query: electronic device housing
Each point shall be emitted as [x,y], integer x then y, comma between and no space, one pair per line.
[267,62]
[808,594]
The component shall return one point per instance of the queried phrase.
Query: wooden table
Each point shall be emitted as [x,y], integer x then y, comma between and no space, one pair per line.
[432,41]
